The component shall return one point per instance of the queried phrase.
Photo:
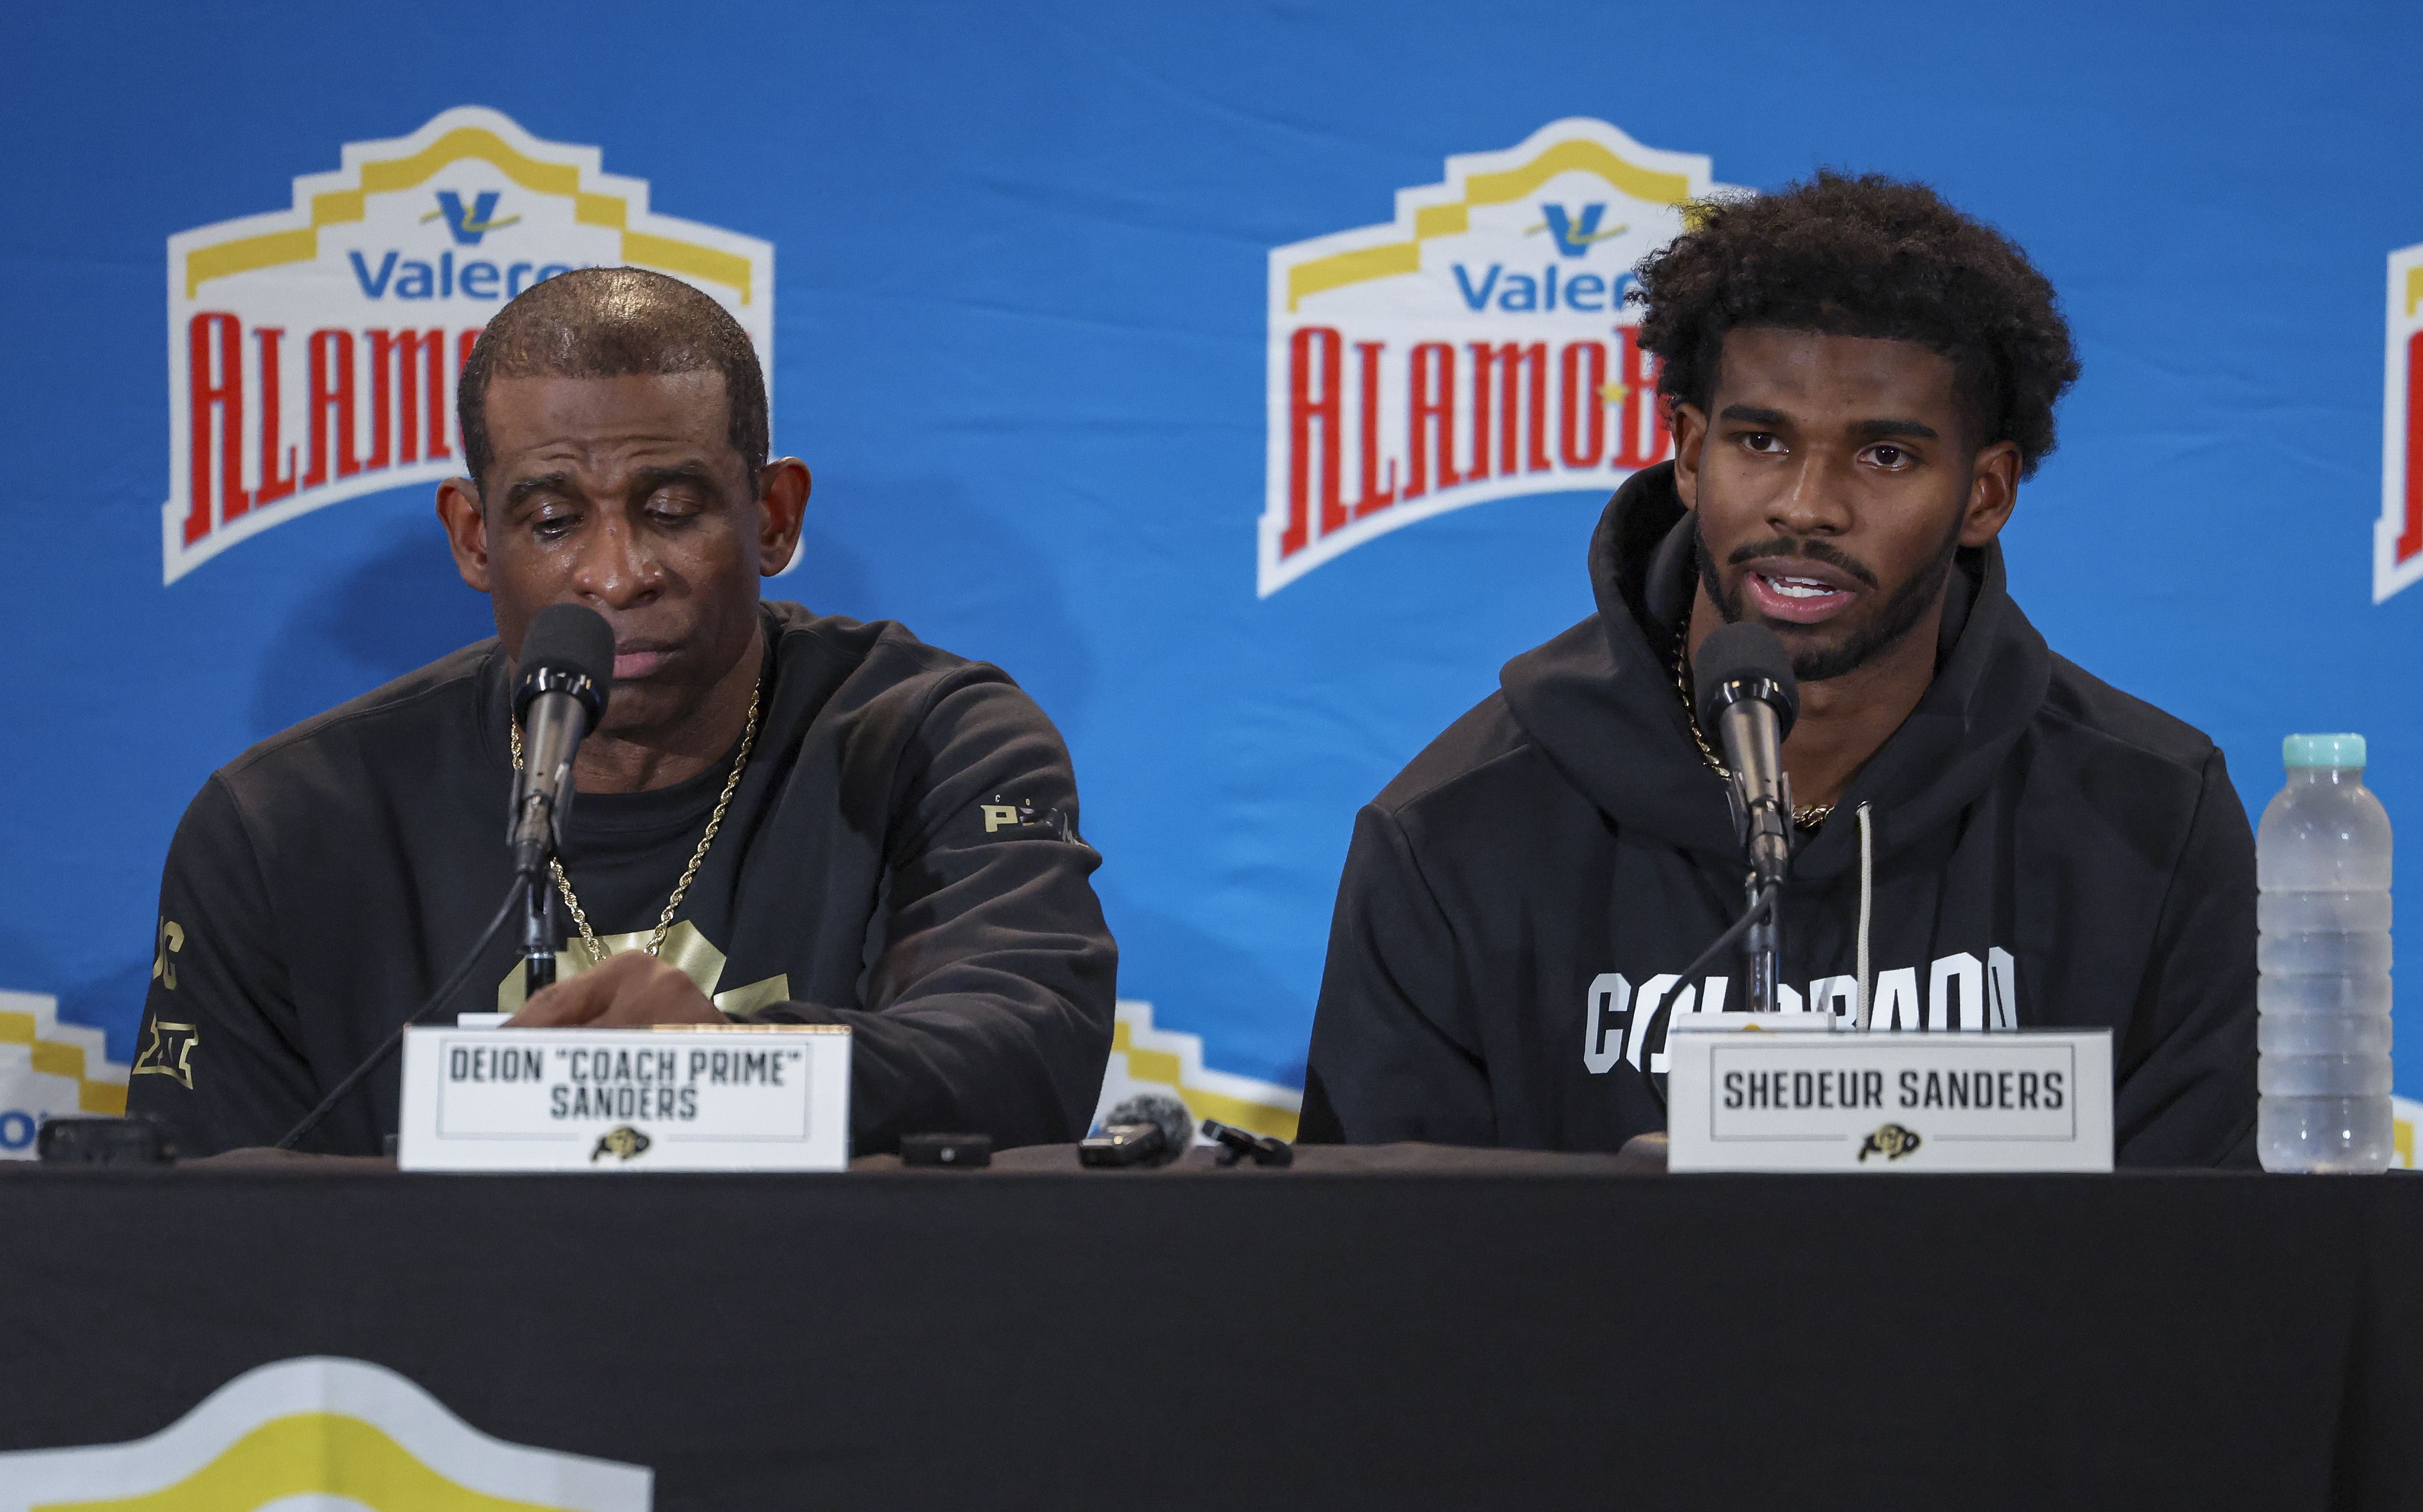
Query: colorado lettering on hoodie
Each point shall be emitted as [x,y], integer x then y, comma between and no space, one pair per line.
[2033,849]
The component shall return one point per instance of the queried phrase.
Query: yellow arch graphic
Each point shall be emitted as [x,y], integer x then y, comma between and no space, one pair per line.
[386,176]
[57,1057]
[309,1453]
[1341,268]
[1162,1066]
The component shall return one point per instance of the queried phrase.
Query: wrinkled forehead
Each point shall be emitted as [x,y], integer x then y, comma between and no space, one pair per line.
[551,422]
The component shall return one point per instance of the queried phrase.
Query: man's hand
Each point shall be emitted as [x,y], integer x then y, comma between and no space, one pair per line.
[622,992]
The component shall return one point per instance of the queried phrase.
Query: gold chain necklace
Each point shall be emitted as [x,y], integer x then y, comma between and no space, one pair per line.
[713,822]
[1807,815]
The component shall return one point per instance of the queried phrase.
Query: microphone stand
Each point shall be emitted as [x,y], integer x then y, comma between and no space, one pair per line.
[1762,949]
[538,939]
[534,848]
[533,835]
[1766,849]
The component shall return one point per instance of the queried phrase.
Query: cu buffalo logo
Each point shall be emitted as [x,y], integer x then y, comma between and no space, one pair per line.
[622,1143]
[1892,1142]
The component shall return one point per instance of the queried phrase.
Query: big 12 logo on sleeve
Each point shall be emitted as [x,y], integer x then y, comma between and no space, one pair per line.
[313,351]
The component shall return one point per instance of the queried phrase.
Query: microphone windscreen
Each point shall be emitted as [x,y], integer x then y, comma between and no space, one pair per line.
[570,639]
[1177,1123]
[1739,652]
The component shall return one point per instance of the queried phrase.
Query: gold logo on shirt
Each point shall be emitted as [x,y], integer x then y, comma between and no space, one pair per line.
[165,946]
[1028,821]
[168,1052]
[685,948]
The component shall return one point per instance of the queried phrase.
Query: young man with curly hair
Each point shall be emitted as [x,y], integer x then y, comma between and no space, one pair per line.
[1858,377]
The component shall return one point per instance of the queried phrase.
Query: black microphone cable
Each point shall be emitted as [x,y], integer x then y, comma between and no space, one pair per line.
[1766,904]
[470,959]
[1768,901]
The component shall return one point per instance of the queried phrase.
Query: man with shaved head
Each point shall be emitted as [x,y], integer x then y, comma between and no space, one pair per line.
[783,816]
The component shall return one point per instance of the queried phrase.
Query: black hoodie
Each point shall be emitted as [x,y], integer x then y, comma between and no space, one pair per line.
[2040,851]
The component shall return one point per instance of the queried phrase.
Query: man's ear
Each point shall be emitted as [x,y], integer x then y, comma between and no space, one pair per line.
[781,506]
[1690,423]
[1993,493]
[467,529]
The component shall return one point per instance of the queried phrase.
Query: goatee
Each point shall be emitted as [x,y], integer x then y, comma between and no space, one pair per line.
[1902,608]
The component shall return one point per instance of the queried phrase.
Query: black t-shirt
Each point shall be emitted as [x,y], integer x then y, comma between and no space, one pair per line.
[900,855]
[623,853]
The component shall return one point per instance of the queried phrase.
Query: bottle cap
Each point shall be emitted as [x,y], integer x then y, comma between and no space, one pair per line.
[2322,750]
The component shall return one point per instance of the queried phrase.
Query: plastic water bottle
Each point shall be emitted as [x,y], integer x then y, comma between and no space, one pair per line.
[2322,868]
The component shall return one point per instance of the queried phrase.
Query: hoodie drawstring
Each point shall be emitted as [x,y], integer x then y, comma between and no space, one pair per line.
[1867,888]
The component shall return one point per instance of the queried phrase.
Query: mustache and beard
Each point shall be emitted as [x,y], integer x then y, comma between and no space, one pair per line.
[1899,615]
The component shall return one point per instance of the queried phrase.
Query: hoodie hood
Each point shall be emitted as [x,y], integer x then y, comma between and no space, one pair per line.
[1601,699]
[2032,849]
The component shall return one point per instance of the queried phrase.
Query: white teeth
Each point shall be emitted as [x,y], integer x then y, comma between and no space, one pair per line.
[1800,588]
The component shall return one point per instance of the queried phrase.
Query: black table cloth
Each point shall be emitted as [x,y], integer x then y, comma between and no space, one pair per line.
[1403,1327]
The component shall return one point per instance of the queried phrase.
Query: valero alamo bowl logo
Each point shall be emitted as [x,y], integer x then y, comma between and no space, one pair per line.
[315,1433]
[313,351]
[1476,347]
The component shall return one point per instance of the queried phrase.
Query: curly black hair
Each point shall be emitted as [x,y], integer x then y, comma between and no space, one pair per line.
[1863,255]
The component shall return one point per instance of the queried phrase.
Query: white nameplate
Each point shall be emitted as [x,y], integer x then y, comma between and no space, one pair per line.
[1889,1101]
[692,1097]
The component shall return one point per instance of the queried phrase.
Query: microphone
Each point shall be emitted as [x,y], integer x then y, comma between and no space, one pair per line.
[568,665]
[1147,1129]
[1745,692]
[567,668]
[1241,1144]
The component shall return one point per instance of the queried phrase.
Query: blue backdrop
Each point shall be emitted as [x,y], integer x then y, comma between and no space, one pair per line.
[1022,261]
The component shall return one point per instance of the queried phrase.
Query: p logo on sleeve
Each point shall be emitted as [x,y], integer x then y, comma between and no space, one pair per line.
[1021,820]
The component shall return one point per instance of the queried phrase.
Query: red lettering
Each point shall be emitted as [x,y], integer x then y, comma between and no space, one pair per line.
[404,345]
[332,405]
[225,334]
[462,345]
[1639,393]
[2410,540]
[1373,498]
[1514,360]
[434,347]
[1432,418]
[382,400]
[274,484]
[1312,420]
[1482,354]
[1583,397]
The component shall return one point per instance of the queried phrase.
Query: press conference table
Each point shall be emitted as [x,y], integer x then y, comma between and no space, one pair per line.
[1404,1327]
